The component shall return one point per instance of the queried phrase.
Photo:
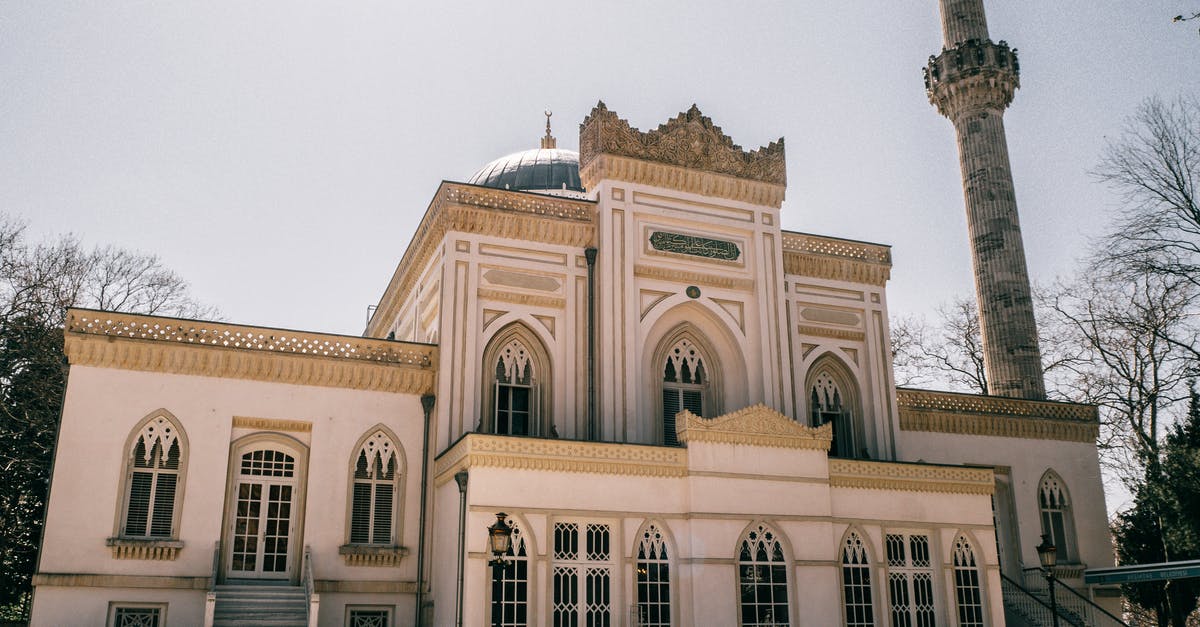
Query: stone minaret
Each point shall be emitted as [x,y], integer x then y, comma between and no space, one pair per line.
[972,82]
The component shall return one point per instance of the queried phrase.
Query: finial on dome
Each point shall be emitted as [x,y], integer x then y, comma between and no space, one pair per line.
[548,141]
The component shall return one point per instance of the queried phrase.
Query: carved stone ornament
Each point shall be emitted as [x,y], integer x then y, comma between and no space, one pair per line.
[694,245]
[757,425]
[689,140]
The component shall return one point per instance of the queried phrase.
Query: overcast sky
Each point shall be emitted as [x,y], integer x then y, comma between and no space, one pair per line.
[278,155]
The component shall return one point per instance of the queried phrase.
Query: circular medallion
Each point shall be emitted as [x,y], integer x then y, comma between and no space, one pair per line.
[692,291]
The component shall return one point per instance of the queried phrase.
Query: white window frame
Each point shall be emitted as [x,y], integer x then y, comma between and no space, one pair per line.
[115,606]
[753,536]
[585,565]
[1054,499]
[964,563]
[390,621]
[907,571]
[652,548]
[519,544]
[855,556]
[159,430]
[378,445]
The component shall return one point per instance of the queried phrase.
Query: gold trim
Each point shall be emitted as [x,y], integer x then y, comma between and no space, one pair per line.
[140,549]
[837,334]
[689,277]
[97,580]
[532,300]
[483,211]
[757,425]
[680,179]
[852,473]
[836,259]
[497,451]
[271,424]
[967,414]
[214,349]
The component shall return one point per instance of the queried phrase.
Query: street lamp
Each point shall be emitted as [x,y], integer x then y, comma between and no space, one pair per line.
[499,540]
[1048,555]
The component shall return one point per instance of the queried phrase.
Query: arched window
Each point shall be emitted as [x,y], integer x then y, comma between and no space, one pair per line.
[653,570]
[510,584]
[856,582]
[910,580]
[834,399]
[967,592]
[517,372]
[373,496]
[1057,523]
[155,463]
[762,578]
[685,382]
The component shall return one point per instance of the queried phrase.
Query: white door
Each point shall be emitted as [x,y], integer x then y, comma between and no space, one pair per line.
[261,522]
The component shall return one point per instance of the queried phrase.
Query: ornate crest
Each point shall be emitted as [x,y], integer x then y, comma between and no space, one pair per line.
[757,425]
[689,140]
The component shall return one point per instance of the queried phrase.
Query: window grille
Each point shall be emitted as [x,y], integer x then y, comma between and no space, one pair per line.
[968,595]
[653,580]
[373,496]
[910,580]
[684,384]
[1056,515]
[510,585]
[369,617]
[582,579]
[856,583]
[136,616]
[268,463]
[155,463]
[762,574]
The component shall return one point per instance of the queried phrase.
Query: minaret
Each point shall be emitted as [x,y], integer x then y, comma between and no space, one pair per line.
[972,82]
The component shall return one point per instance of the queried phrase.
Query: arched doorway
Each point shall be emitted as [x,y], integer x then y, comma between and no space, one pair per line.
[264,509]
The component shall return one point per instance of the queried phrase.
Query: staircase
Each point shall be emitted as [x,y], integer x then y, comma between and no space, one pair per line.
[1030,606]
[260,606]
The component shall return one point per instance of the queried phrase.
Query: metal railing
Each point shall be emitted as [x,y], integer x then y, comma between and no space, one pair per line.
[312,600]
[1024,603]
[1070,601]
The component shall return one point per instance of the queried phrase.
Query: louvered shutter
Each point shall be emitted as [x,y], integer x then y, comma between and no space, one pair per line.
[138,511]
[164,505]
[692,402]
[360,514]
[382,532]
[670,408]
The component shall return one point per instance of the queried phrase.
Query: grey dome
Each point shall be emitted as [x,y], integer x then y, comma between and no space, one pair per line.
[537,170]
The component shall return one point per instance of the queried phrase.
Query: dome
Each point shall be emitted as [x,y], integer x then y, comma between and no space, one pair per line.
[548,170]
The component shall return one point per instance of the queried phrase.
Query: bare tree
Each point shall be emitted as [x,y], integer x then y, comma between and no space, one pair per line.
[948,354]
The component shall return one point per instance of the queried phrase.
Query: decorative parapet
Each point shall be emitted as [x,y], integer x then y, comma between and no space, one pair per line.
[171,345]
[974,74]
[688,153]
[372,555]
[836,259]
[523,453]
[970,414]
[481,210]
[144,548]
[855,473]
[757,425]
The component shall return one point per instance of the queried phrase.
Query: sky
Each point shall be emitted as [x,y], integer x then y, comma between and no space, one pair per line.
[279,155]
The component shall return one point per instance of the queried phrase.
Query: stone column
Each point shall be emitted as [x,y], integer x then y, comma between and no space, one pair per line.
[972,82]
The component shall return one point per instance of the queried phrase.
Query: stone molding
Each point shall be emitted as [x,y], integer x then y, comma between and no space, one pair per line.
[686,277]
[836,259]
[524,453]
[144,548]
[100,580]
[458,207]
[837,334]
[364,586]
[681,179]
[854,473]
[271,424]
[968,414]
[689,140]
[213,349]
[531,300]
[371,555]
[757,425]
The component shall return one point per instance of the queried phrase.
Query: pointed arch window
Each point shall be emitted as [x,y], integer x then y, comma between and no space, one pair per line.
[762,578]
[833,399]
[910,580]
[684,386]
[1057,522]
[156,460]
[856,583]
[653,569]
[375,483]
[517,377]
[967,592]
[510,584]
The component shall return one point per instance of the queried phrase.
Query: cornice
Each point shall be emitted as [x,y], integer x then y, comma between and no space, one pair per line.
[496,451]
[213,349]
[689,140]
[660,273]
[681,179]
[854,473]
[757,425]
[837,334]
[836,259]
[967,414]
[458,207]
[519,298]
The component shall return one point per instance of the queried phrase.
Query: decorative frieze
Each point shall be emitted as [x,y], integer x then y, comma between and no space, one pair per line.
[837,334]
[969,414]
[371,555]
[144,549]
[532,300]
[836,259]
[857,473]
[485,450]
[660,273]
[98,580]
[757,425]
[271,424]
[681,179]
[213,349]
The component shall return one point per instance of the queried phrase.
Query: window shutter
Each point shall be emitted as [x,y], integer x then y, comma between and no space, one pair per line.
[670,408]
[164,506]
[138,511]
[360,514]
[692,402]
[382,533]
